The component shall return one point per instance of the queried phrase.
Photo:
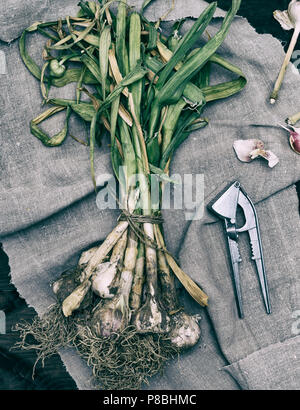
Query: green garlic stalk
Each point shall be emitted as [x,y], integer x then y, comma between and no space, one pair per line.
[151,317]
[138,279]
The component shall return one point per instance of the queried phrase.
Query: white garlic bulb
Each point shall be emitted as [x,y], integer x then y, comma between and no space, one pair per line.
[103,278]
[186,331]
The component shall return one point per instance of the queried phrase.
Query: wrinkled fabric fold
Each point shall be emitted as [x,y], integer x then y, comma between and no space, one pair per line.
[16,15]
[276,367]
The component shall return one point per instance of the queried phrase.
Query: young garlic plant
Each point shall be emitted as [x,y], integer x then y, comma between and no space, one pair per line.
[185,330]
[288,19]
[151,317]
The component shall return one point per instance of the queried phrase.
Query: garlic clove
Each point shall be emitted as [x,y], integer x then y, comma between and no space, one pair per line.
[243,148]
[247,150]
[256,153]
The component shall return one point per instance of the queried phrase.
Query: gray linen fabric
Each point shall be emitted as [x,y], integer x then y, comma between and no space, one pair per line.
[16,15]
[276,367]
[49,212]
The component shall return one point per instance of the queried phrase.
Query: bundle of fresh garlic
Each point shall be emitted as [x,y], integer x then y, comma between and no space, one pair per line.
[119,308]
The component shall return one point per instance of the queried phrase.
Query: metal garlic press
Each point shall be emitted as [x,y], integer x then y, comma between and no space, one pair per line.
[225,207]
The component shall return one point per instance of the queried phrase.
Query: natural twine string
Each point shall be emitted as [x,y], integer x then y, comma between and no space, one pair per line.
[135,220]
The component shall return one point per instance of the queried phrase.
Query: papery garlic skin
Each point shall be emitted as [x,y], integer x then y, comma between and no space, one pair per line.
[283,18]
[271,158]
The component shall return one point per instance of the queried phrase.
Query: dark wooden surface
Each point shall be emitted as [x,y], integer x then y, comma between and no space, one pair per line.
[16,366]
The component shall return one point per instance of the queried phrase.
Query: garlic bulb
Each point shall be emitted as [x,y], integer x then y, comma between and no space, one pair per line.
[294,12]
[186,331]
[111,316]
[103,279]
[152,317]
[67,282]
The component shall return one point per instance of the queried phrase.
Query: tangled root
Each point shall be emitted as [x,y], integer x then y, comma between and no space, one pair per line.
[127,359]
[122,361]
[46,335]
